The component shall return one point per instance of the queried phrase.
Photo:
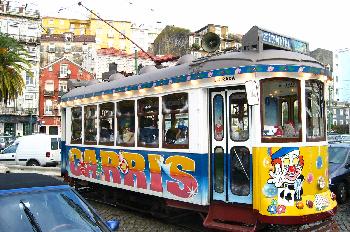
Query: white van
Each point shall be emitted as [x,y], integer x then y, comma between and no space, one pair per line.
[33,150]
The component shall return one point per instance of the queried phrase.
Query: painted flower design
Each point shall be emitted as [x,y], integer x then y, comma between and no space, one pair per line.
[301,69]
[154,84]
[238,71]
[126,89]
[188,78]
[270,69]
[310,178]
[272,209]
[170,82]
[281,209]
[210,74]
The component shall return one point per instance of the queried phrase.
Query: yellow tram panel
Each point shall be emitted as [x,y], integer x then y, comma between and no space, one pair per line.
[291,181]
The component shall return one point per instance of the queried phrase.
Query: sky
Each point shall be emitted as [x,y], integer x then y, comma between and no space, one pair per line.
[322,23]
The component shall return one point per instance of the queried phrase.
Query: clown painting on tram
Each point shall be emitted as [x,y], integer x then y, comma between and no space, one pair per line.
[286,175]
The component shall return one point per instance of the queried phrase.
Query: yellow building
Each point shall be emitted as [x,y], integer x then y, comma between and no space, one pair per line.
[106,36]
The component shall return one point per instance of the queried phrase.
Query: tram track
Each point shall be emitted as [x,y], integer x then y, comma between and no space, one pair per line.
[188,221]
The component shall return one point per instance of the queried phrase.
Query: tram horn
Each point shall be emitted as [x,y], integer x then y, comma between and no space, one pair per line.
[210,42]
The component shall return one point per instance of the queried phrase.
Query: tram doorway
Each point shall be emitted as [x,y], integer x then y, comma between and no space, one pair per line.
[231,160]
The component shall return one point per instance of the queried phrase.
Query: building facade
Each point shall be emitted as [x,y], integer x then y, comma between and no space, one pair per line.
[226,39]
[77,48]
[22,22]
[144,36]
[341,75]
[105,36]
[53,84]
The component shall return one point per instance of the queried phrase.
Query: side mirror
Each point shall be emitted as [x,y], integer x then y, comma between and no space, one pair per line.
[113,225]
[252,90]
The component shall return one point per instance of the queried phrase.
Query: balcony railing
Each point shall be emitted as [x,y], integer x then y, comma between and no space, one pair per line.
[61,93]
[18,111]
[25,38]
[49,93]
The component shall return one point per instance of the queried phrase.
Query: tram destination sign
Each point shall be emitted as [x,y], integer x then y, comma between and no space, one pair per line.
[283,42]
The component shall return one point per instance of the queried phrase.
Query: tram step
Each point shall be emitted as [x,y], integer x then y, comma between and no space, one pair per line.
[230,217]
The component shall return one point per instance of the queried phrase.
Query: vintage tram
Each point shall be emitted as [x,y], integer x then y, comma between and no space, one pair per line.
[240,136]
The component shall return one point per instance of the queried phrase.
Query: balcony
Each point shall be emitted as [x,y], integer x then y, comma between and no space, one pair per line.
[25,39]
[61,93]
[49,93]
[63,75]
[18,111]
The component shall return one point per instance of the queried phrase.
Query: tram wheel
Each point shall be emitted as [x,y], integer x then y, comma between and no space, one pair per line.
[342,193]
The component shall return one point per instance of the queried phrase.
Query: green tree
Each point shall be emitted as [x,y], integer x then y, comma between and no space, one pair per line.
[13,61]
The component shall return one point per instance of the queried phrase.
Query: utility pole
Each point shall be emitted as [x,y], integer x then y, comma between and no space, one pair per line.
[330,111]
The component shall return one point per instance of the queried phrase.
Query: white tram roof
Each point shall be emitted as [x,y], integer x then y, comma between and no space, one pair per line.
[225,60]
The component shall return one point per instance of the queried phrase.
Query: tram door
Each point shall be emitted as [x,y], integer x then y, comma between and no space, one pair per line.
[231,162]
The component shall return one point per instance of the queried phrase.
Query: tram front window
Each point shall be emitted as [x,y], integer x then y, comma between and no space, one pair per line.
[315,110]
[280,109]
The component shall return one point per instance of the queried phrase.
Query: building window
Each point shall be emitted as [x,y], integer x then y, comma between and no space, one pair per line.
[126,123]
[335,122]
[48,107]
[53,130]
[76,127]
[341,112]
[50,68]
[175,116]
[63,70]
[107,124]
[148,110]
[29,78]
[61,22]
[110,43]
[315,110]
[334,112]
[67,47]
[280,114]
[341,122]
[52,47]
[50,21]
[90,125]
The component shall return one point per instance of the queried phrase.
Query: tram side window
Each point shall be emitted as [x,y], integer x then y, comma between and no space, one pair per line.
[315,110]
[76,127]
[148,110]
[175,115]
[90,125]
[239,123]
[126,123]
[280,110]
[107,124]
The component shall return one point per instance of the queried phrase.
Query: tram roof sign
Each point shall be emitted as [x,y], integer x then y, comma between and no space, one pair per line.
[261,39]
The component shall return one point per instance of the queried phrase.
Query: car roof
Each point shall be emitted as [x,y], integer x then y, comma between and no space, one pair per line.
[27,180]
[347,145]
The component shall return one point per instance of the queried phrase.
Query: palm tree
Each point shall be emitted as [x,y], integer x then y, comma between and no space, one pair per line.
[12,63]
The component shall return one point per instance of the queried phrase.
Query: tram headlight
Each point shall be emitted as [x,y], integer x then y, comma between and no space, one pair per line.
[321,183]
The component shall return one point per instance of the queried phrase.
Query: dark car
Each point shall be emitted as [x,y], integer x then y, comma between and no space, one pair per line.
[33,202]
[339,170]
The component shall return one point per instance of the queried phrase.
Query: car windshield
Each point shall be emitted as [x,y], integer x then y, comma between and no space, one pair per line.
[52,210]
[337,155]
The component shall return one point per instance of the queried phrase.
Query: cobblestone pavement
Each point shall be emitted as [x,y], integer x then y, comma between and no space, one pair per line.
[135,222]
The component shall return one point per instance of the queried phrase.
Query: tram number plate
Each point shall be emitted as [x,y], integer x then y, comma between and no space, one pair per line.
[224,78]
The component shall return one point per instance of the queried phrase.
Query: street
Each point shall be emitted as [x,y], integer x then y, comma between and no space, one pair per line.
[133,221]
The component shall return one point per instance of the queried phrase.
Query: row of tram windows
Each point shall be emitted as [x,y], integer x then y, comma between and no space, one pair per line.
[281,110]
[116,123]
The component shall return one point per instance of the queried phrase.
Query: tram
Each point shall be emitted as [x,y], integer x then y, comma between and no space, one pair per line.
[239,136]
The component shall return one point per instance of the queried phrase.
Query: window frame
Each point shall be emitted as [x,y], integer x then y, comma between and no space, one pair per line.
[262,110]
[84,122]
[243,91]
[319,138]
[140,114]
[116,124]
[113,117]
[81,124]
[174,146]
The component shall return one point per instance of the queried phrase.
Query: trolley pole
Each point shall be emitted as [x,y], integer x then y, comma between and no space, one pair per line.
[136,68]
